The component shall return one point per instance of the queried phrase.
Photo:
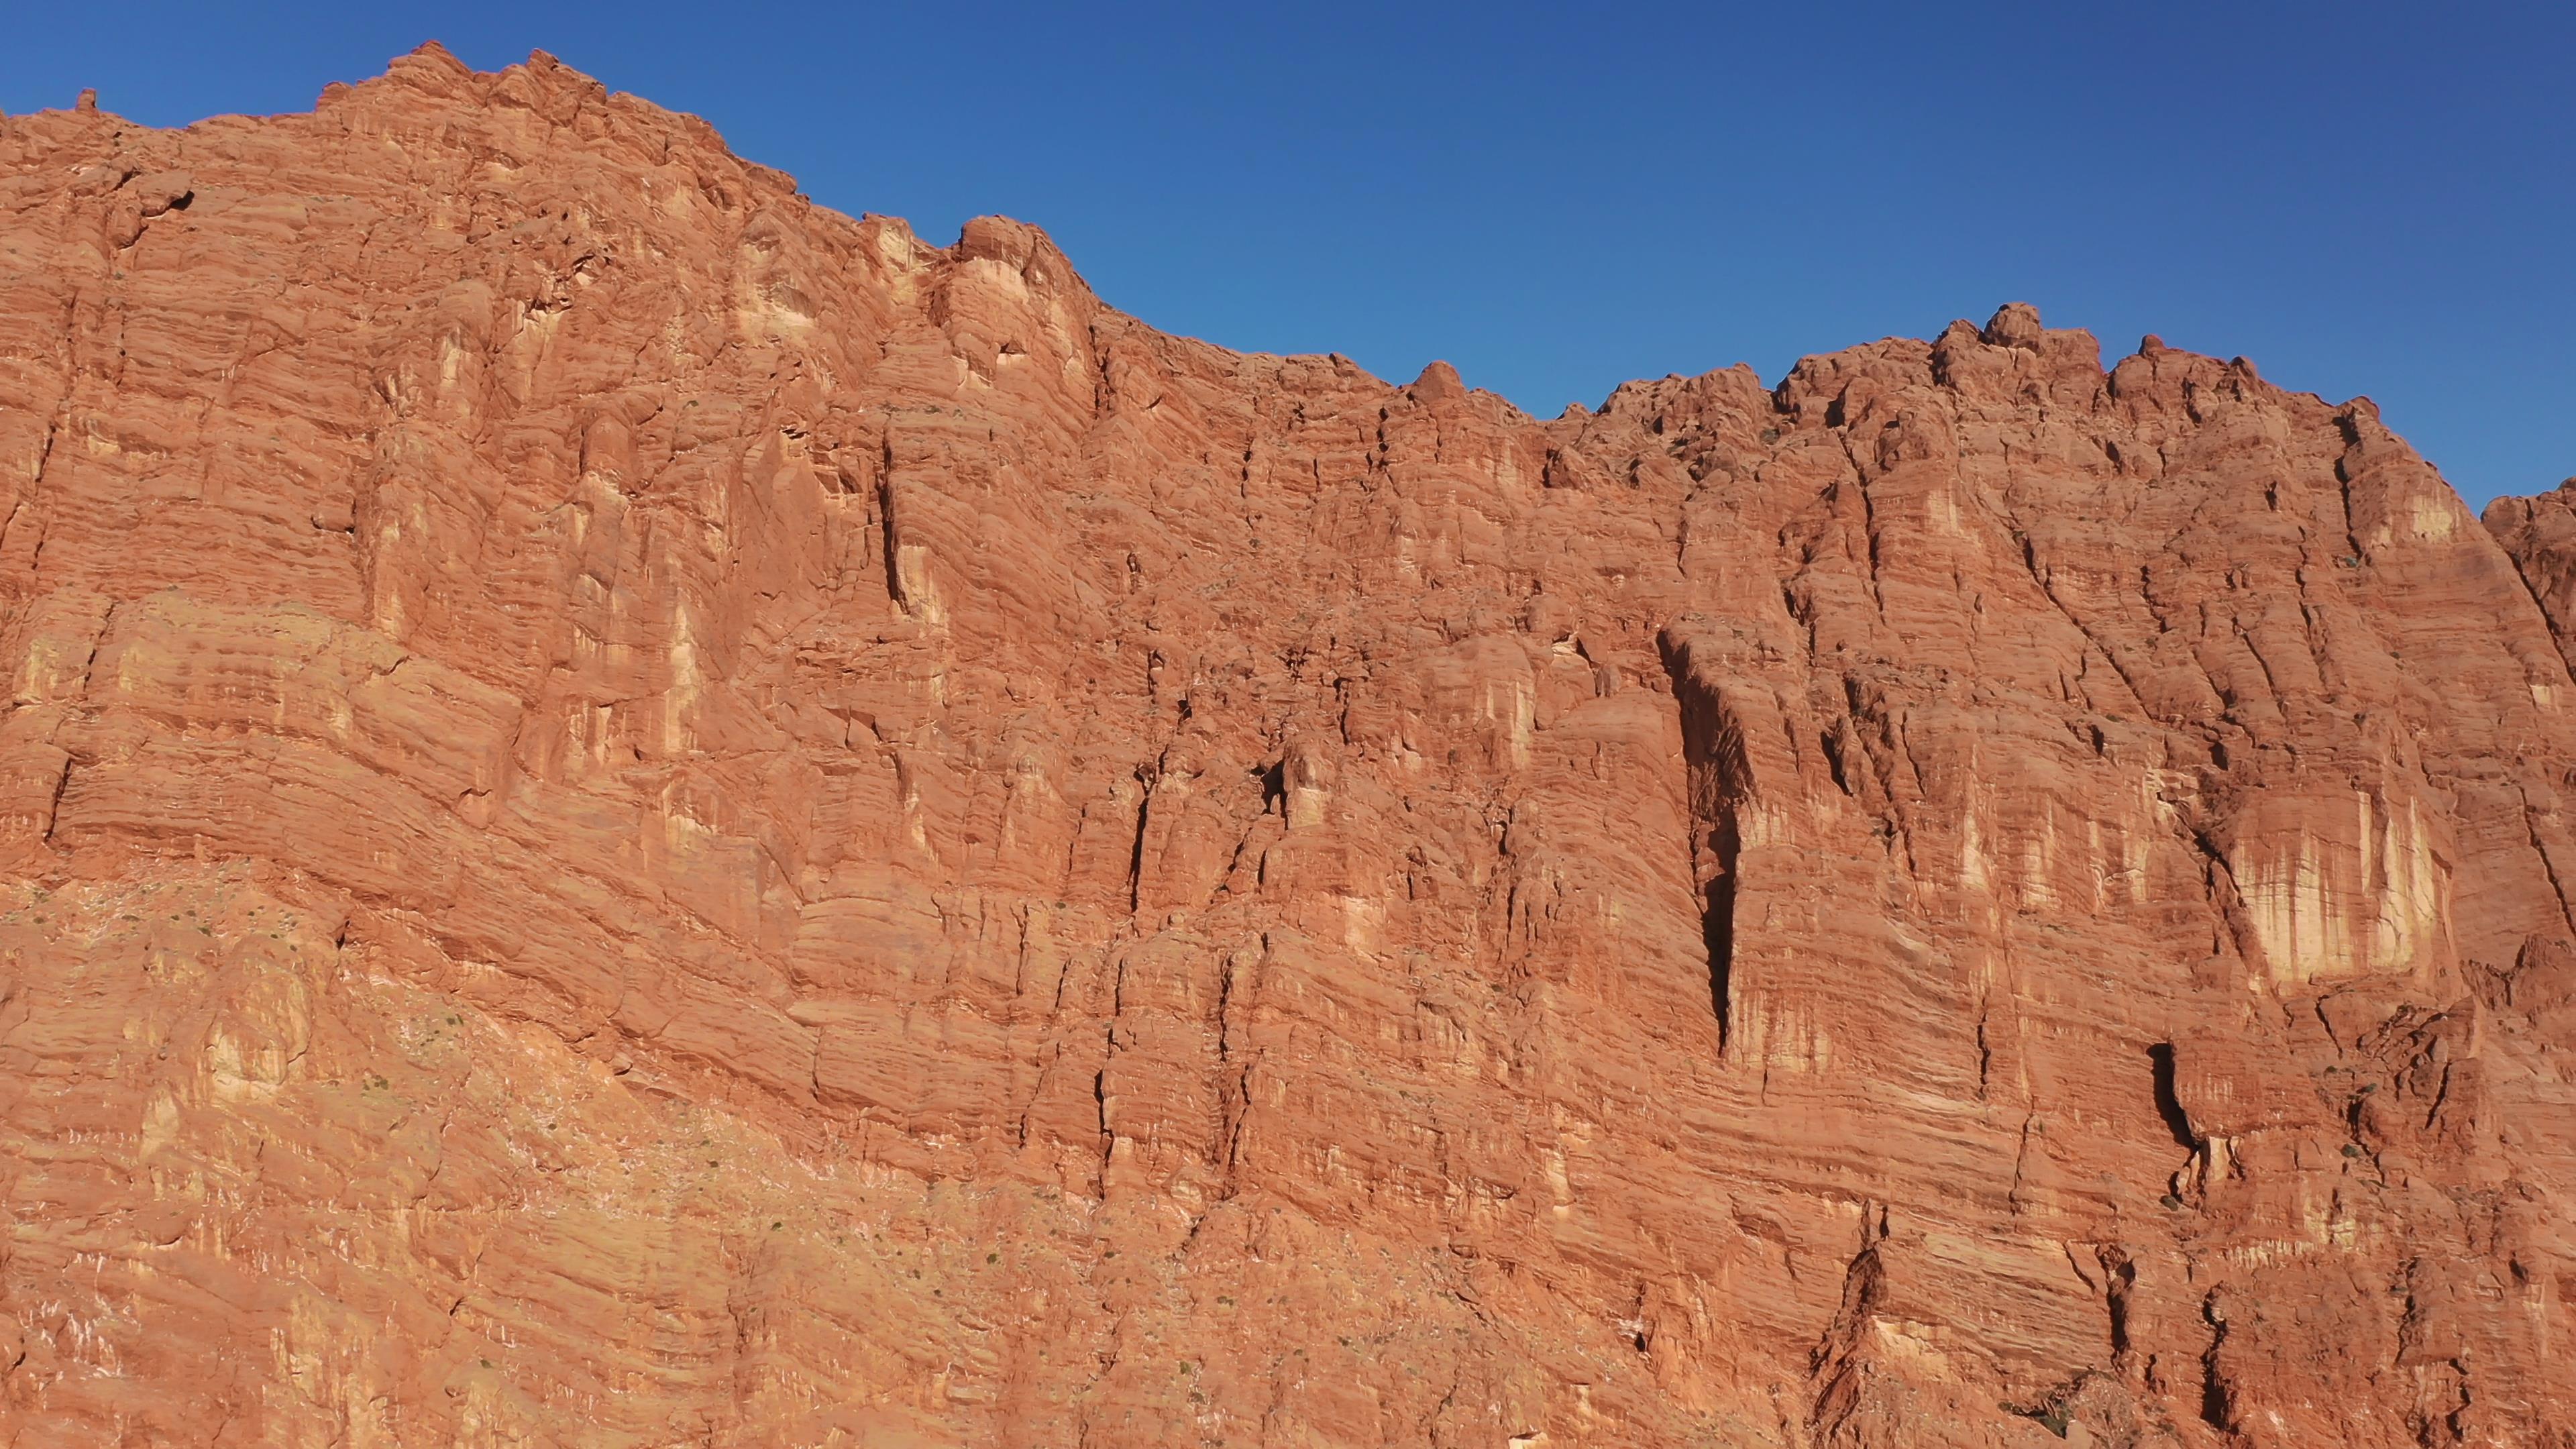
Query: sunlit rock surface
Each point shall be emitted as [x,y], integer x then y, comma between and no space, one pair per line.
[640,814]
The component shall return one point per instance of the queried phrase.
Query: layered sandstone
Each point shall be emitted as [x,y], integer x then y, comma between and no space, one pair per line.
[637,813]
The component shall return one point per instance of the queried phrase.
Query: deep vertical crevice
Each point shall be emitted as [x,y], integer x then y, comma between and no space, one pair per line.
[1136,850]
[1100,1108]
[1717,927]
[2160,1059]
[2350,427]
[886,538]
[2215,1410]
[1838,1368]
[1717,781]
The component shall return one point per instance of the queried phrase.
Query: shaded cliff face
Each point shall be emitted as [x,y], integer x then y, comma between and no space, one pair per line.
[638,813]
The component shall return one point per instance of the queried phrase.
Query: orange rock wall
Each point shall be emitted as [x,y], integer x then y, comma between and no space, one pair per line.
[636,813]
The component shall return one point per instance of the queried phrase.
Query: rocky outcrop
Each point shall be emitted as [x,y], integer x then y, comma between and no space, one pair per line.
[639,813]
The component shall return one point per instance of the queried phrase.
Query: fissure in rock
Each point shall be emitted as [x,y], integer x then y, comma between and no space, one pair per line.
[2160,1057]
[1718,781]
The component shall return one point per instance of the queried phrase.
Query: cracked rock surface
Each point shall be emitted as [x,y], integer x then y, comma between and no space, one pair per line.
[635,813]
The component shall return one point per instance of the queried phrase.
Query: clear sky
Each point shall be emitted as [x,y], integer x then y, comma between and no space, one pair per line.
[2362,197]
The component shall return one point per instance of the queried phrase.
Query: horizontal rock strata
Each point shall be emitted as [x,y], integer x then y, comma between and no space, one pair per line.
[637,813]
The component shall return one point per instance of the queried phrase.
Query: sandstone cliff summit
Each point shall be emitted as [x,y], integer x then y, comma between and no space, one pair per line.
[637,813]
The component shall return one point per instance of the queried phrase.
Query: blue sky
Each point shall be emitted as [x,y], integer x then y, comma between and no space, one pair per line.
[2363,198]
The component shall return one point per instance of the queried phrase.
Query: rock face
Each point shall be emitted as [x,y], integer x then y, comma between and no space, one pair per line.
[637,813]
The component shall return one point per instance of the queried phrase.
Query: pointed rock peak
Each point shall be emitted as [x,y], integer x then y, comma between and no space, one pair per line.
[2015,324]
[1438,381]
[440,56]
[431,67]
[2150,345]
[87,105]
[2245,365]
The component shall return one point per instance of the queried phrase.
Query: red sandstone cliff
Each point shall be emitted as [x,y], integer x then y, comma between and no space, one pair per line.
[636,813]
